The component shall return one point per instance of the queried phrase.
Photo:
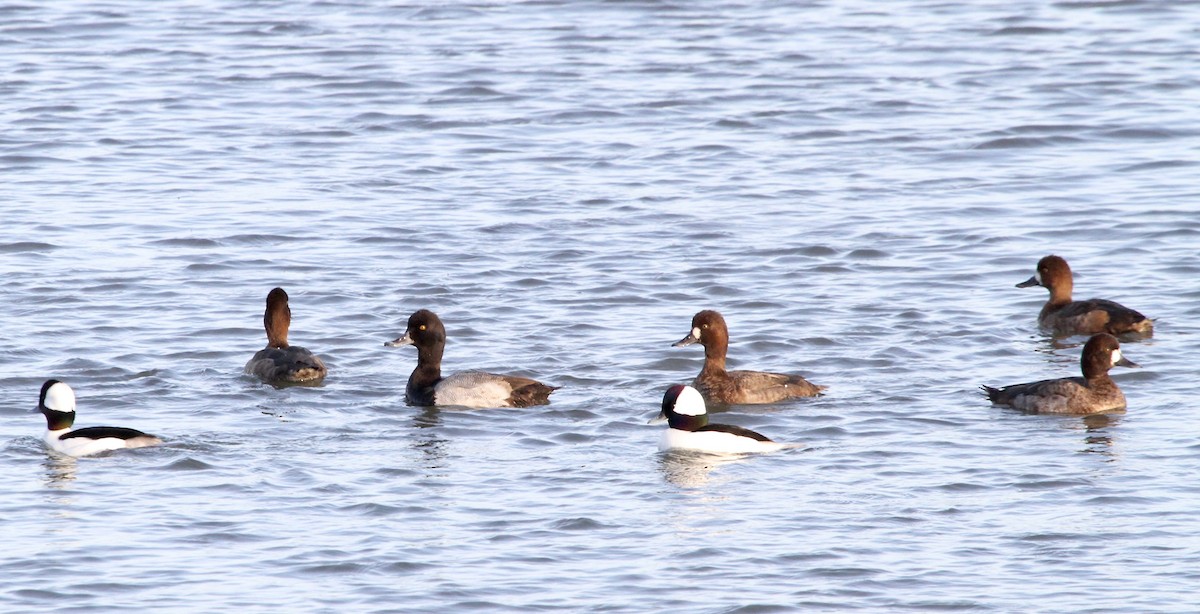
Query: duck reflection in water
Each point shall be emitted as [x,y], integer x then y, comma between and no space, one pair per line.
[691,469]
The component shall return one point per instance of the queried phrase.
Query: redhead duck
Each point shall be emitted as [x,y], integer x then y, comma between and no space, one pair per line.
[737,387]
[474,389]
[1095,392]
[1063,316]
[57,404]
[280,362]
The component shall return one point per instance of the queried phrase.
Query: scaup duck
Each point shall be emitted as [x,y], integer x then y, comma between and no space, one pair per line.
[1063,316]
[474,389]
[737,387]
[1095,392]
[280,362]
[57,403]
[688,428]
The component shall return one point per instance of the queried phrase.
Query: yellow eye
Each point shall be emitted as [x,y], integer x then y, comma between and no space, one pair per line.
[421,327]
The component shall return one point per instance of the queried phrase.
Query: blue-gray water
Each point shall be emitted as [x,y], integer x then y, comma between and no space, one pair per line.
[855,185]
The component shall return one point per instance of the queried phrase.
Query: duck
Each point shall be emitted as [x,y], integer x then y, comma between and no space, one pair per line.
[737,387]
[1093,393]
[280,362]
[686,415]
[57,403]
[1063,316]
[472,389]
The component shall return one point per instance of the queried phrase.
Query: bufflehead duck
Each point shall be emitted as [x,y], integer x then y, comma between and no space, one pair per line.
[57,403]
[1093,393]
[688,428]
[474,389]
[1063,316]
[737,387]
[280,362]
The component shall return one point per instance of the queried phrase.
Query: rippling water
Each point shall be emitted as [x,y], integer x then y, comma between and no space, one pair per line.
[856,186]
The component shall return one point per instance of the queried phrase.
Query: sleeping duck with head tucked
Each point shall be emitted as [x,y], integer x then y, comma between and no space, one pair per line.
[737,387]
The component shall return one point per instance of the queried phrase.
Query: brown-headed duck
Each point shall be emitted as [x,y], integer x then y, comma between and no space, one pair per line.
[1063,316]
[280,362]
[737,387]
[1095,392]
[474,389]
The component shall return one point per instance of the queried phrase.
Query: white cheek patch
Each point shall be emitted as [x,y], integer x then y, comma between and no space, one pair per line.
[690,403]
[1038,276]
[60,397]
[1116,357]
[696,332]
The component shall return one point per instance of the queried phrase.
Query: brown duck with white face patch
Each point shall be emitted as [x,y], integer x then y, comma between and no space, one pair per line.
[280,362]
[1063,316]
[1095,392]
[474,389]
[737,387]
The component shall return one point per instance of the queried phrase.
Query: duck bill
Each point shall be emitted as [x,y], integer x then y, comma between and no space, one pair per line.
[395,343]
[659,419]
[1028,283]
[1125,362]
[688,340]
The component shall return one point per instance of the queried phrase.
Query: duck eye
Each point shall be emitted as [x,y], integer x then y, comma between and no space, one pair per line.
[705,326]
[421,327]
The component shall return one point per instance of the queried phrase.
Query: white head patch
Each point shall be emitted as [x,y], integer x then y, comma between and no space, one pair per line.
[696,332]
[1038,276]
[690,403]
[1116,356]
[60,397]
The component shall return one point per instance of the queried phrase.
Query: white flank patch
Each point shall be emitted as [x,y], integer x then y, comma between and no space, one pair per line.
[715,442]
[60,397]
[473,389]
[81,446]
[690,403]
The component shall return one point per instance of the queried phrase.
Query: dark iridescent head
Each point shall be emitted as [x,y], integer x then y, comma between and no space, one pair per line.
[683,408]
[425,329]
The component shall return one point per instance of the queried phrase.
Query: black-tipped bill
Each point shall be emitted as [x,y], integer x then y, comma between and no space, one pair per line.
[1032,281]
[395,343]
[688,340]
